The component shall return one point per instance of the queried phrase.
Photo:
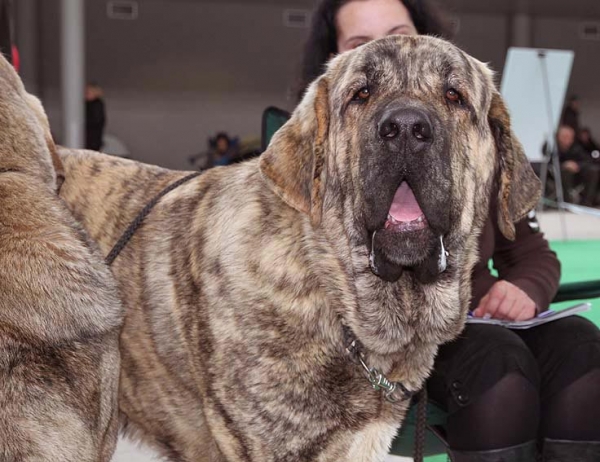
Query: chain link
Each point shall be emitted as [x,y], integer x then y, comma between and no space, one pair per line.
[377,380]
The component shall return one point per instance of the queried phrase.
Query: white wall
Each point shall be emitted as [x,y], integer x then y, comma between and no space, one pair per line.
[181,72]
[585,78]
[187,69]
[485,37]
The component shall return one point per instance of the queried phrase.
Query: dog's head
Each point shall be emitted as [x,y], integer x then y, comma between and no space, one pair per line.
[410,137]
[26,143]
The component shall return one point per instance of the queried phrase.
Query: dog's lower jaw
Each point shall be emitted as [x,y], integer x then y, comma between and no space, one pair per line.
[381,267]
[426,268]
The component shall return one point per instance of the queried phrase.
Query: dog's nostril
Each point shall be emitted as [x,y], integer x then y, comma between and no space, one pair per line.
[389,130]
[422,131]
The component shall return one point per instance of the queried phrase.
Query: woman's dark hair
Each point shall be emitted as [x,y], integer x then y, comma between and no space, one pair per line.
[322,39]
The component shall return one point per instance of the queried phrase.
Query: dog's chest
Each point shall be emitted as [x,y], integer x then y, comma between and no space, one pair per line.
[372,443]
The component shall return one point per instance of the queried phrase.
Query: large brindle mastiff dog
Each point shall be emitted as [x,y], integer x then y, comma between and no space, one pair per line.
[60,315]
[245,286]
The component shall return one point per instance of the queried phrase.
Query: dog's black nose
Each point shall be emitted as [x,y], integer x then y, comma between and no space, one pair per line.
[409,124]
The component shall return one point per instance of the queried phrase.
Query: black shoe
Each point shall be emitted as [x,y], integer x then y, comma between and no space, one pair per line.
[521,453]
[571,451]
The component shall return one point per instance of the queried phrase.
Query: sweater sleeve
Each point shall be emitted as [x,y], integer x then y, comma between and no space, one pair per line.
[528,262]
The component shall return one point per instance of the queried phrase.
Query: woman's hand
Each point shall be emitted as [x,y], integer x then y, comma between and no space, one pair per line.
[506,301]
[571,166]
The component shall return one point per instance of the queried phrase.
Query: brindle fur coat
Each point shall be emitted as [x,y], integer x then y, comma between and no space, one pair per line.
[239,283]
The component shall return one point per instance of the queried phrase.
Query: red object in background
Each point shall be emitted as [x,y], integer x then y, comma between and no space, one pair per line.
[16,59]
[7,42]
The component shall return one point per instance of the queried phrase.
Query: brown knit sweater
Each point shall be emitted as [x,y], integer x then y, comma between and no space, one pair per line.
[527,262]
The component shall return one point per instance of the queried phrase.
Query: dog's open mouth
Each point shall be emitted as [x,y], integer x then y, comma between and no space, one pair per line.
[405,214]
[408,240]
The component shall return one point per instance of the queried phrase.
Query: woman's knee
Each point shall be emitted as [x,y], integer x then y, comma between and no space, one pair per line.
[487,356]
[510,358]
[565,350]
[569,331]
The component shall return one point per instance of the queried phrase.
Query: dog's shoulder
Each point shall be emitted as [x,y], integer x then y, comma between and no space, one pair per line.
[55,287]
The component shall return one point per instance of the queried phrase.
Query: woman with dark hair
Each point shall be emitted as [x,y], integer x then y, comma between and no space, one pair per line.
[506,392]
[327,38]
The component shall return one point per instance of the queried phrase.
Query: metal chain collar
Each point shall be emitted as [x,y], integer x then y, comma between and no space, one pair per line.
[377,380]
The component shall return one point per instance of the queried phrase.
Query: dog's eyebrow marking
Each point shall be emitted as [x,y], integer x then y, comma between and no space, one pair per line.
[372,71]
[446,69]
[467,66]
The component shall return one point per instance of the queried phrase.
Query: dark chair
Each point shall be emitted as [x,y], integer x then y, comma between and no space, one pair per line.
[273,119]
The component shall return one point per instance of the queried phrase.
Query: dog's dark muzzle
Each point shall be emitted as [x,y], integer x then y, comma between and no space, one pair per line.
[408,192]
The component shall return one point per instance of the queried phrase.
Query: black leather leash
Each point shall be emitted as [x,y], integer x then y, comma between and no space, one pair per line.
[137,222]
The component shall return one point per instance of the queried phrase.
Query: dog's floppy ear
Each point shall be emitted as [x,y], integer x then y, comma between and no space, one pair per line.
[519,188]
[294,164]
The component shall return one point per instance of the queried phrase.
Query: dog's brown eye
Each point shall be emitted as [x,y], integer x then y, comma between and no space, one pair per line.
[454,96]
[362,95]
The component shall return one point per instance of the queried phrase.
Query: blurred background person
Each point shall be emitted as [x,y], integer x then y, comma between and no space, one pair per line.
[95,117]
[223,150]
[580,173]
[589,144]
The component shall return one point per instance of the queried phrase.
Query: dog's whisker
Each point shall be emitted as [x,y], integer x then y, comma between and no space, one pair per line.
[442,260]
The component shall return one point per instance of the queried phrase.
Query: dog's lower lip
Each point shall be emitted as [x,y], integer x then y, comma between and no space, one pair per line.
[394,225]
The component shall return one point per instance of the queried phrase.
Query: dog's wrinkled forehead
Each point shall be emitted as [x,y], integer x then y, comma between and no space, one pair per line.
[417,66]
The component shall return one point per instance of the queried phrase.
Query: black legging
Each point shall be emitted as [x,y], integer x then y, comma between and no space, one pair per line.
[505,387]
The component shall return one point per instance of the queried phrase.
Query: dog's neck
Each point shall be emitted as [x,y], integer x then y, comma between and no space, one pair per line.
[388,318]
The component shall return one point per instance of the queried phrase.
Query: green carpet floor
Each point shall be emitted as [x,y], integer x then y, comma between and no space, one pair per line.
[580,261]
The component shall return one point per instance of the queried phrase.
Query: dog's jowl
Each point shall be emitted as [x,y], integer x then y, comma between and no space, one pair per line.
[252,290]
[59,311]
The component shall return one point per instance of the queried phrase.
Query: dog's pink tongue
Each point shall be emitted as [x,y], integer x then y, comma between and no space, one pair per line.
[405,206]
